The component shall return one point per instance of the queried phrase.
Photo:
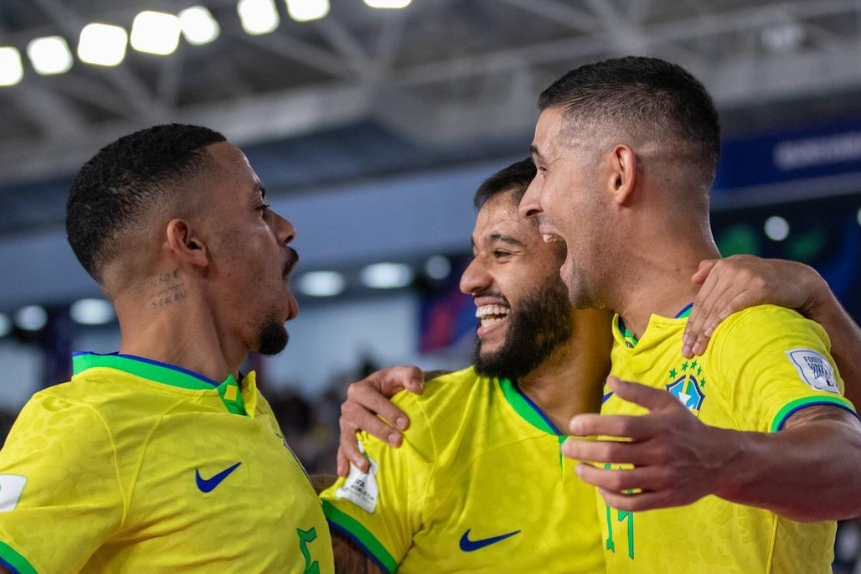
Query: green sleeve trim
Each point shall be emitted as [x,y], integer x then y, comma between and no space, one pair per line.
[791,408]
[10,558]
[361,535]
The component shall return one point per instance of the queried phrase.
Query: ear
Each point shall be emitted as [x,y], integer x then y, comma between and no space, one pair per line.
[185,244]
[623,174]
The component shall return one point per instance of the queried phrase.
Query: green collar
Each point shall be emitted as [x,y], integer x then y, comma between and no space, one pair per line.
[523,406]
[631,341]
[164,373]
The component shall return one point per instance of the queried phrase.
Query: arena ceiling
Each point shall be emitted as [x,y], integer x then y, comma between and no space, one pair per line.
[366,91]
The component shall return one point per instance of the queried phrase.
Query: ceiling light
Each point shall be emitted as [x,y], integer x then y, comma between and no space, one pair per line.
[92,312]
[322,283]
[31,318]
[50,55]
[11,69]
[5,325]
[776,228]
[859,216]
[307,10]
[438,267]
[155,33]
[387,275]
[388,4]
[783,38]
[258,16]
[102,44]
[198,25]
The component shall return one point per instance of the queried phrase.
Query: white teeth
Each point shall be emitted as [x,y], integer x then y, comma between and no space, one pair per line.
[491,312]
[487,321]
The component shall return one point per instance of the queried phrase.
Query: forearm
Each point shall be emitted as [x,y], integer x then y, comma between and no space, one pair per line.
[807,473]
[845,339]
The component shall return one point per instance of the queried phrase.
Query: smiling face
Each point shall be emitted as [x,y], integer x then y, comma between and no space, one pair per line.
[521,304]
[251,259]
[568,202]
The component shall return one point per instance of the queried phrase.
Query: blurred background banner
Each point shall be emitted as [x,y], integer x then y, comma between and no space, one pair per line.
[371,124]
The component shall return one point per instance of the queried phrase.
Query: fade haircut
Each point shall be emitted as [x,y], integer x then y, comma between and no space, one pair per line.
[125,180]
[514,178]
[645,97]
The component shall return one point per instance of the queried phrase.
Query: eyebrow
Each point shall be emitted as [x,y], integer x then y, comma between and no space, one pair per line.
[505,239]
[533,150]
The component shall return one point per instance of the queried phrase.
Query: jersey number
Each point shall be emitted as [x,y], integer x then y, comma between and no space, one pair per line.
[620,517]
[305,538]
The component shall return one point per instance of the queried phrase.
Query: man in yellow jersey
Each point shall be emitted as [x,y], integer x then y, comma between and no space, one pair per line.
[163,458]
[479,483]
[753,436]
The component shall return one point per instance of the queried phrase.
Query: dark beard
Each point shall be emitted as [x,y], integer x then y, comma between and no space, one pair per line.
[273,337]
[540,324]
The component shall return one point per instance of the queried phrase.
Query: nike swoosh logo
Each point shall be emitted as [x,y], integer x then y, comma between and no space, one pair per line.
[209,484]
[468,545]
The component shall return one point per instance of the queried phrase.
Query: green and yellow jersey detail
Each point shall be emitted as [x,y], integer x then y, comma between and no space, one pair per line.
[478,485]
[761,366]
[140,466]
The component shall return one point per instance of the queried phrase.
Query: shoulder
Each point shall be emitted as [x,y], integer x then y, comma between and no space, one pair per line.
[768,322]
[448,396]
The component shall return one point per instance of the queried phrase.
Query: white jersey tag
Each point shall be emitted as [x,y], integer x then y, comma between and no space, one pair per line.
[11,486]
[361,488]
[814,369]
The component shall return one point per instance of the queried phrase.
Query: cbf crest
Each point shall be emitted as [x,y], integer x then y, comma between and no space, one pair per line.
[687,383]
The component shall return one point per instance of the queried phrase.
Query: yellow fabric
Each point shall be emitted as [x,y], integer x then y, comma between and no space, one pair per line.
[471,462]
[111,462]
[743,381]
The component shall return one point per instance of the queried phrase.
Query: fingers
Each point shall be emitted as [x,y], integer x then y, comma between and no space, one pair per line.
[731,302]
[613,452]
[637,502]
[363,398]
[343,463]
[703,271]
[623,426]
[355,417]
[714,288]
[645,479]
[349,449]
[394,380]
[642,395]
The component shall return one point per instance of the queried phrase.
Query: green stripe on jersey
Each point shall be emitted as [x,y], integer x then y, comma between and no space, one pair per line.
[15,560]
[523,408]
[791,408]
[361,534]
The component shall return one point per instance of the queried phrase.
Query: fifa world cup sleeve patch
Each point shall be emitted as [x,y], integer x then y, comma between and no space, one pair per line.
[814,369]
[361,488]
[11,487]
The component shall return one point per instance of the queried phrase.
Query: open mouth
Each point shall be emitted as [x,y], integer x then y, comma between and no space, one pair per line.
[490,315]
[292,260]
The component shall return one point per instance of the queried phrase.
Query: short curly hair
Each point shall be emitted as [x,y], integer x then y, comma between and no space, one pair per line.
[124,180]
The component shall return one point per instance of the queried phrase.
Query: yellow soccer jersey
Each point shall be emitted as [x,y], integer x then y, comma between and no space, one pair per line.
[139,466]
[762,365]
[479,485]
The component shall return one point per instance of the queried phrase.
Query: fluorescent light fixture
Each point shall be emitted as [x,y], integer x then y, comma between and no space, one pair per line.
[5,325]
[307,10]
[322,283]
[386,275]
[92,312]
[258,16]
[155,33]
[388,4]
[438,267]
[783,38]
[859,216]
[31,317]
[776,228]
[198,25]
[11,69]
[50,55]
[102,44]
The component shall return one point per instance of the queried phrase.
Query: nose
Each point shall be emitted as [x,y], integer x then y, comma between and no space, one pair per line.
[530,204]
[475,278]
[284,229]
